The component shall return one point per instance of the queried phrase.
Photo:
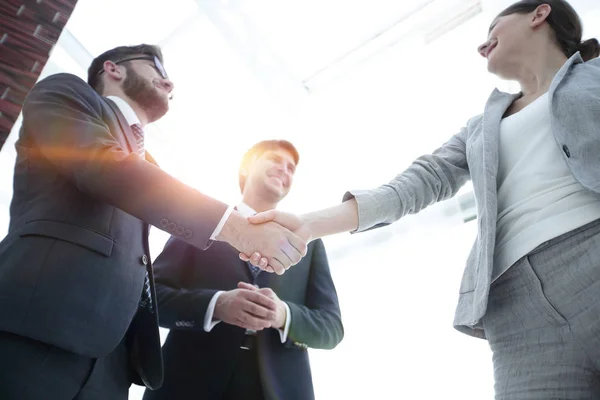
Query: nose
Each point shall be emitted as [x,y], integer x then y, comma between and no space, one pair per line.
[284,169]
[482,49]
[168,84]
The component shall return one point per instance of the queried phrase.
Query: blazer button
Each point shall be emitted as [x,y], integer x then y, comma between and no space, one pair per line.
[566,151]
[171,227]
[187,234]
[164,222]
[145,259]
[179,230]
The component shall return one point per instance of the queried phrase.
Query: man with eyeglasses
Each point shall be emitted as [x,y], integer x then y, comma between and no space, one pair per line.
[78,317]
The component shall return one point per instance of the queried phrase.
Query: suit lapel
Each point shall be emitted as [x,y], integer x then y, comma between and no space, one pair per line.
[495,109]
[130,143]
[263,279]
[130,139]
[247,271]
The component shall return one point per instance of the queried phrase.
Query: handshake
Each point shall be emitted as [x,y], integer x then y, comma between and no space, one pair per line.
[271,240]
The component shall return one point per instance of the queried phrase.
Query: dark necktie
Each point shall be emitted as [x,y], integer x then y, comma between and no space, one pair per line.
[254,270]
[146,299]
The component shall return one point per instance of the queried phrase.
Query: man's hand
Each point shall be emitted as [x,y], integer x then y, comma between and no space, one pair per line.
[294,223]
[280,247]
[280,316]
[246,308]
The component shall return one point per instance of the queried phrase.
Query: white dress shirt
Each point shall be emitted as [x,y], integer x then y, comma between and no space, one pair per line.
[538,196]
[130,115]
[210,323]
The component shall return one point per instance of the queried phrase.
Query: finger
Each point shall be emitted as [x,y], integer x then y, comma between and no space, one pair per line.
[277,265]
[258,311]
[266,291]
[251,323]
[262,217]
[258,298]
[269,269]
[255,259]
[244,257]
[295,248]
[263,262]
[248,286]
[288,254]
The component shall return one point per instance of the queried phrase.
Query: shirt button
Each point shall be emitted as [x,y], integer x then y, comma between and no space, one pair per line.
[566,151]
[145,259]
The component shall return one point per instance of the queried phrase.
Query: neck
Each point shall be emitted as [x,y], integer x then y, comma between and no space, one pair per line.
[141,114]
[538,71]
[258,203]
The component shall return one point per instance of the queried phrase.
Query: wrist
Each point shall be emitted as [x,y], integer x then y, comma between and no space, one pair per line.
[281,315]
[218,306]
[309,221]
[230,232]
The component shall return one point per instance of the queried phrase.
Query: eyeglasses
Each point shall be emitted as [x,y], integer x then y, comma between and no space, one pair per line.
[157,65]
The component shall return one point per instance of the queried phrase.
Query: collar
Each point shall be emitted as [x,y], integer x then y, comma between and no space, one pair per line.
[245,210]
[126,110]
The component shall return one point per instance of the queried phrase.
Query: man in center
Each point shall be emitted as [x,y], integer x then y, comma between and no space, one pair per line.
[224,344]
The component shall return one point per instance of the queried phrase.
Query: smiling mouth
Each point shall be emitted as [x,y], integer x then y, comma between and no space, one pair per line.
[279,179]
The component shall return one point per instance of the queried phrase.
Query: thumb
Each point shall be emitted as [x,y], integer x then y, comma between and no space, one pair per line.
[247,286]
[262,217]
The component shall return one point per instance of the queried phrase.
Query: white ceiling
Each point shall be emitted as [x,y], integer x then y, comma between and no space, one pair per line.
[241,67]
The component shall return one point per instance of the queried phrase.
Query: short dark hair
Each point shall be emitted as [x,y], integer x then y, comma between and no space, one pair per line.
[261,148]
[115,55]
[565,23]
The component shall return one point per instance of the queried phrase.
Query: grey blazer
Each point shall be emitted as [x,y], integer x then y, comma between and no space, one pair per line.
[574,98]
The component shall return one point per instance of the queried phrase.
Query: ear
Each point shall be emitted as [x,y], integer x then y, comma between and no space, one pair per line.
[113,70]
[540,15]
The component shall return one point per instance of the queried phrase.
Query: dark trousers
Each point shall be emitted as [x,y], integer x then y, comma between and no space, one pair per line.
[245,381]
[32,370]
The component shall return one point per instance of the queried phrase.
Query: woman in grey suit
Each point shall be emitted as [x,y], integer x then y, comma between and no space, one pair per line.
[531,286]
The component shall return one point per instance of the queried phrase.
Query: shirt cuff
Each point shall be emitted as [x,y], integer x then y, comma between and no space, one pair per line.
[210,310]
[221,223]
[283,334]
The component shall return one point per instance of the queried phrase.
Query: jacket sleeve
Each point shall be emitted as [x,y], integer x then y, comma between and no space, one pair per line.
[62,123]
[318,322]
[179,307]
[430,178]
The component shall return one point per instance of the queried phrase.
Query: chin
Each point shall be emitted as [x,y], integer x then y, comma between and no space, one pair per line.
[277,192]
[158,111]
[491,66]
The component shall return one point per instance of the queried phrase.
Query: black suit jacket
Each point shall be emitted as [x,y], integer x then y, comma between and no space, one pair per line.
[199,364]
[73,263]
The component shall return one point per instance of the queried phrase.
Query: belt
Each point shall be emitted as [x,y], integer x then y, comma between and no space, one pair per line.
[248,342]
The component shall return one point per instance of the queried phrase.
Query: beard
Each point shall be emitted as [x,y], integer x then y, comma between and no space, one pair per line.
[146,95]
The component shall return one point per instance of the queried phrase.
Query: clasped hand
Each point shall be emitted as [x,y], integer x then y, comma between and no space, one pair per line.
[289,222]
